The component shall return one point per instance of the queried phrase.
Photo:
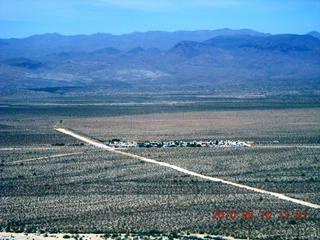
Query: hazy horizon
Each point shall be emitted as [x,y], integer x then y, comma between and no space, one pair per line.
[19,19]
[79,34]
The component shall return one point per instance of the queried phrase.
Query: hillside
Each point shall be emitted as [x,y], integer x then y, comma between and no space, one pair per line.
[242,58]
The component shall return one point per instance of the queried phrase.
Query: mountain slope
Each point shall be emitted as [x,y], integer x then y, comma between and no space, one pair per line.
[233,58]
[41,45]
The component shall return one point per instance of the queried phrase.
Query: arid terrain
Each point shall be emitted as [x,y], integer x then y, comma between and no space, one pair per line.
[55,183]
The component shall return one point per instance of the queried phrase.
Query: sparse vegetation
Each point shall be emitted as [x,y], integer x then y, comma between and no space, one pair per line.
[84,189]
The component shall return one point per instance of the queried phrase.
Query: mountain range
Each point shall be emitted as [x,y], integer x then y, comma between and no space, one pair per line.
[184,58]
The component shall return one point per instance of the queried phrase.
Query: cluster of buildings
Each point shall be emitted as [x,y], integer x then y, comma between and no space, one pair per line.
[118,143]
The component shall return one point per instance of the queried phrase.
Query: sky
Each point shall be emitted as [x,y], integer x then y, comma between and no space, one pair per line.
[23,18]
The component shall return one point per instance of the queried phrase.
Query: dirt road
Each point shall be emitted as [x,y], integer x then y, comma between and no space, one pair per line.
[51,156]
[101,145]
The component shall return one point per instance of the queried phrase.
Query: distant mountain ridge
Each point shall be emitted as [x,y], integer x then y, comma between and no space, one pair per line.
[53,43]
[137,60]
[284,43]
[314,34]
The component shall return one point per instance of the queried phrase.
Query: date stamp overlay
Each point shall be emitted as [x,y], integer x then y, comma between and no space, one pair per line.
[263,214]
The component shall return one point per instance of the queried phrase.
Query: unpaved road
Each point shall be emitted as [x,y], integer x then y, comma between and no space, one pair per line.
[101,145]
[51,156]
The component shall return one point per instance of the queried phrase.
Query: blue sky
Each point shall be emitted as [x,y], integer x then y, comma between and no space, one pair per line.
[22,18]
